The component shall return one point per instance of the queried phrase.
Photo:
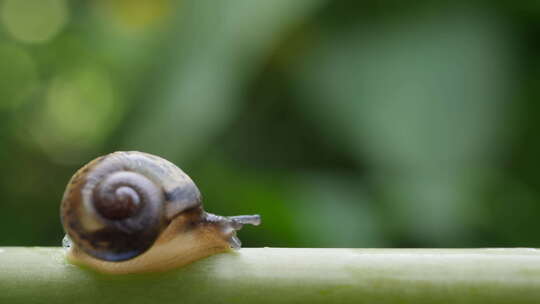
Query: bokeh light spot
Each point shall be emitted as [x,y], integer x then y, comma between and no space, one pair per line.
[80,110]
[134,15]
[34,20]
[18,77]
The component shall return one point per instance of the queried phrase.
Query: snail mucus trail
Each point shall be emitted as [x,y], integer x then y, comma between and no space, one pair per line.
[131,212]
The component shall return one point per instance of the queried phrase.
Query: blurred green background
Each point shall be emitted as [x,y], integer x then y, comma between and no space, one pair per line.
[343,123]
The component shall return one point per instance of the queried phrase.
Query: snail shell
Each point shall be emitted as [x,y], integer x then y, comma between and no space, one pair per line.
[131,212]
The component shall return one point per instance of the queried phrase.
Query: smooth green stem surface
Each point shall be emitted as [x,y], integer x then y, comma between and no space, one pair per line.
[285,275]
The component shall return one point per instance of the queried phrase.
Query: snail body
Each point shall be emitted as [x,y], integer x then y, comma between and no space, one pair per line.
[129,212]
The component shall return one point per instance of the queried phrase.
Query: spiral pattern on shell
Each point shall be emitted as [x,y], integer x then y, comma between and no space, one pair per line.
[115,207]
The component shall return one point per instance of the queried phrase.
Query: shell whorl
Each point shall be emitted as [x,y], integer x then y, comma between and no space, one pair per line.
[115,207]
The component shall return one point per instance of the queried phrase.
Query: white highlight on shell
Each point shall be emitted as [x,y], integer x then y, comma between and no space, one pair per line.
[66,242]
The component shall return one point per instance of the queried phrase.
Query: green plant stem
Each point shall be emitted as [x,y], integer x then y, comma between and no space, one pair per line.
[285,275]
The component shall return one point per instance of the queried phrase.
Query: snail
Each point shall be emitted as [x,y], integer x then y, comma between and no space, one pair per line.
[131,212]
